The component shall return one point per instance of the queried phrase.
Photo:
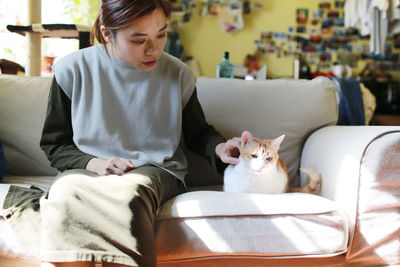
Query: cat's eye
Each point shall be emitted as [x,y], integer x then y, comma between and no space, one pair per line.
[254,156]
[269,158]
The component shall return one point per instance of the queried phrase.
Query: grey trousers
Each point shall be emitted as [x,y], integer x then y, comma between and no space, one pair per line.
[87,217]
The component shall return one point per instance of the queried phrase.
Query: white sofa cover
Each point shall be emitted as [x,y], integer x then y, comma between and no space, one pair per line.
[340,225]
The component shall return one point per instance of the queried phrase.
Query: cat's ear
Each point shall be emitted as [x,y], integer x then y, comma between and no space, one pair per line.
[276,142]
[246,138]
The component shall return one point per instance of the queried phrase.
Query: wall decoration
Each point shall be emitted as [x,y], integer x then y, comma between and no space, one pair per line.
[339,4]
[317,15]
[339,22]
[181,12]
[333,13]
[266,44]
[230,17]
[327,23]
[301,15]
[229,13]
[324,4]
[323,40]
[346,57]
[301,29]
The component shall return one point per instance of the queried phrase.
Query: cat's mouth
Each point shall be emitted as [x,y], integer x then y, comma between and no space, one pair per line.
[259,169]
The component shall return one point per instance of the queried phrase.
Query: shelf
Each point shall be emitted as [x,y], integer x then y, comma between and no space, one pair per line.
[68,31]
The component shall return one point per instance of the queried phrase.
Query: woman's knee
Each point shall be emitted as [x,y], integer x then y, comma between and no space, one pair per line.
[65,188]
[161,183]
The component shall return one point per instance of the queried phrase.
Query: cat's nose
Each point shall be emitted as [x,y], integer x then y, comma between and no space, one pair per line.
[259,168]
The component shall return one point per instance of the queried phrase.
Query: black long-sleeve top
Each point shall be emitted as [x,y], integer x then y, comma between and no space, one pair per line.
[59,147]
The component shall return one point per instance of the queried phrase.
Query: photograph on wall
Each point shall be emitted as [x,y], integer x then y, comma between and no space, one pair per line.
[266,36]
[301,15]
[315,34]
[324,4]
[339,22]
[279,36]
[301,29]
[333,13]
[339,4]
[313,58]
[317,16]
[339,31]
[230,18]
[346,58]
[327,23]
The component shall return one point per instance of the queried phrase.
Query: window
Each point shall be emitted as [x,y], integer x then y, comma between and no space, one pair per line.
[13,46]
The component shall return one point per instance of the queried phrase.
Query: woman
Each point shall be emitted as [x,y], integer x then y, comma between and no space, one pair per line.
[117,116]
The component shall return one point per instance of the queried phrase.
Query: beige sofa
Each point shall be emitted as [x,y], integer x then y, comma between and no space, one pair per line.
[353,220]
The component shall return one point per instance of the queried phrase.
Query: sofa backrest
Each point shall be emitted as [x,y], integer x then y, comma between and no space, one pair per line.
[23,104]
[269,109]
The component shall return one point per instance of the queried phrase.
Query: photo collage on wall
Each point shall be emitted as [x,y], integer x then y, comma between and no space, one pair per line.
[320,36]
[229,13]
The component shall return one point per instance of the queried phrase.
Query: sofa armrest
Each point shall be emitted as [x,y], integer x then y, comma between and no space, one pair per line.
[360,169]
[336,153]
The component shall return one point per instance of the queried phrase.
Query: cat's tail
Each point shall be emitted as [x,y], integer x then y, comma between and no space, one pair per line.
[313,184]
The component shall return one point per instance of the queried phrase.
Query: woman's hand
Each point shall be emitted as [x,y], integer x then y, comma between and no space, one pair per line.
[112,165]
[229,152]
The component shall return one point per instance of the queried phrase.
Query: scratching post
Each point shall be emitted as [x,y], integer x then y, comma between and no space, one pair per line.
[33,66]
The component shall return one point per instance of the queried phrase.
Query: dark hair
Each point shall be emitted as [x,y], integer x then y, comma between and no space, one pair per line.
[118,14]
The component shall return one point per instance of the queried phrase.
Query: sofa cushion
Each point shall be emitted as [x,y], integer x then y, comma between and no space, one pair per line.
[268,109]
[216,224]
[3,162]
[23,104]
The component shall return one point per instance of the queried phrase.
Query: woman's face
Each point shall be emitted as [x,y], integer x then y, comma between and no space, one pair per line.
[142,42]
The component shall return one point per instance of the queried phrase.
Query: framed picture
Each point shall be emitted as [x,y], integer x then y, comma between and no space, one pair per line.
[301,15]
[334,13]
[339,3]
[301,29]
[324,4]
[318,14]
[230,18]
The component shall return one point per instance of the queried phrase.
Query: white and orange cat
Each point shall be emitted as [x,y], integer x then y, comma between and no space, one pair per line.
[261,171]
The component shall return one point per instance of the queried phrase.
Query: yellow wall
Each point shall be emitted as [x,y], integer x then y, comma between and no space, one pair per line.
[204,39]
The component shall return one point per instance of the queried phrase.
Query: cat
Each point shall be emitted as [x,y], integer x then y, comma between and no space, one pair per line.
[261,171]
